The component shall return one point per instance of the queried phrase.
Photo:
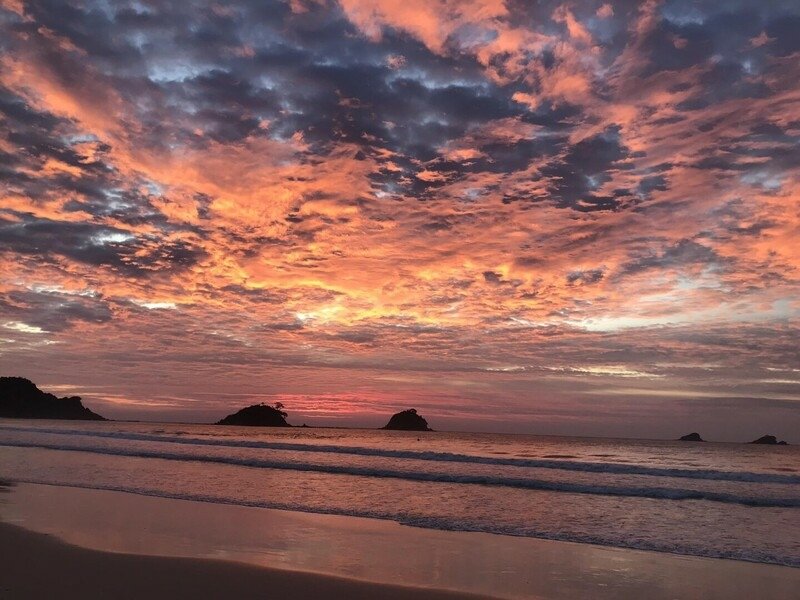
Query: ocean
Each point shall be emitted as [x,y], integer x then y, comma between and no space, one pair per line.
[720,500]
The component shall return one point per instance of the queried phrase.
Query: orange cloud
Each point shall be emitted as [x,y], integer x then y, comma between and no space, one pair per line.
[456,205]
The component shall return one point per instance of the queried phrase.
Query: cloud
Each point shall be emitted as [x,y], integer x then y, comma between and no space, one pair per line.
[587,277]
[272,189]
[53,311]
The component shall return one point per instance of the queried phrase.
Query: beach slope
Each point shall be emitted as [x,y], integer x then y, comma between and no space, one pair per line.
[38,566]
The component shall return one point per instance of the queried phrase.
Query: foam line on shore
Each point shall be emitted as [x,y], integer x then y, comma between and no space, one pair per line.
[440,523]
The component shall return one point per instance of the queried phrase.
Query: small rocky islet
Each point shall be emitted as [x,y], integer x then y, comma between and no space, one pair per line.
[20,398]
[407,420]
[769,440]
[257,415]
[264,415]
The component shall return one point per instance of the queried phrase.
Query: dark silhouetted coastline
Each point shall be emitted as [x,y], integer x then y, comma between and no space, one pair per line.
[21,399]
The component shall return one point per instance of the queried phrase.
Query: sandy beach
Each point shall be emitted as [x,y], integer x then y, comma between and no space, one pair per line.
[38,566]
[80,543]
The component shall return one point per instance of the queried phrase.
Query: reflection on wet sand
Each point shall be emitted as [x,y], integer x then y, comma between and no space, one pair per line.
[380,551]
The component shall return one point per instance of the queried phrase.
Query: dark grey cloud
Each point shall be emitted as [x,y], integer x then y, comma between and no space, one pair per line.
[586,277]
[94,244]
[681,254]
[585,166]
[54,310]
[492,277]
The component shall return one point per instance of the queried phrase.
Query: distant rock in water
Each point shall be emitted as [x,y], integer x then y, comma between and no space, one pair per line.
[21,399]
[407,420]
[692,437]
[769,440]
[258,415]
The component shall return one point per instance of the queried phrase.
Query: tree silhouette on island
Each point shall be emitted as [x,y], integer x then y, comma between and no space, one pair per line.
[258,415]
[407,420]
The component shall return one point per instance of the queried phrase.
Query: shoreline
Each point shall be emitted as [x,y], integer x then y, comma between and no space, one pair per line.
[37,565]
[7,485]
[365,551]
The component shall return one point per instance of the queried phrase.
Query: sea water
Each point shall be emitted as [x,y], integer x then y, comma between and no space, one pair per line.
[736,501]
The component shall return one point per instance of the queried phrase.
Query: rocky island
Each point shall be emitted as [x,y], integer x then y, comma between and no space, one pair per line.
[257,415]
[21,399]
[691,437]
[407,420]
[769,440]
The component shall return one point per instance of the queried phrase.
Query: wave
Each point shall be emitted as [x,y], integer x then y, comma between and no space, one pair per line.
[541,463]
[448,524]
[659,493]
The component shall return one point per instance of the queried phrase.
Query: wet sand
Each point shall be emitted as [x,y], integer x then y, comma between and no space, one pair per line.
[83,543]
[39,566]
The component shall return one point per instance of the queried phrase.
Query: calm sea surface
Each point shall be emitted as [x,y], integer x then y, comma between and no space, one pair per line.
[705,499]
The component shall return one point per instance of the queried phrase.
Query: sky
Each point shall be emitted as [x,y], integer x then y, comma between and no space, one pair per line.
[574,218]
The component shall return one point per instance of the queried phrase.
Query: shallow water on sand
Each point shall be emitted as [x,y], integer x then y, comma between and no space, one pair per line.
[380,551]
[717,500]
